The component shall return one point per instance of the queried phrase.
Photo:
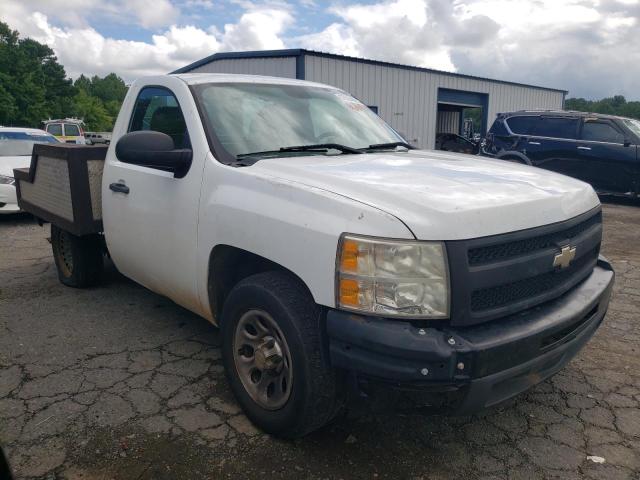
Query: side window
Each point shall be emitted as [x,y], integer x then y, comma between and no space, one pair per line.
[71,130]
[599,131]
[157,109]
[522,125]
[498,128]
[55,129]
[556,127]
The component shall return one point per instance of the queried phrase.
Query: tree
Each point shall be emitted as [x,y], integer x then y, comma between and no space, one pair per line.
[92,111]
[59,90]
[107,94]
[109,89]
[616,105]
[8,107]
[83,83]
[35,87]
[23,77]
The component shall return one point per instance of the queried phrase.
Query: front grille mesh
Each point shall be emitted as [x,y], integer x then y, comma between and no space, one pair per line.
[503,251]
[499,296]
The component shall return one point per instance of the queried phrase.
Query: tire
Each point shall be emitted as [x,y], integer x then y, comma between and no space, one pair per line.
[79,260]
[514,159]
[312,399]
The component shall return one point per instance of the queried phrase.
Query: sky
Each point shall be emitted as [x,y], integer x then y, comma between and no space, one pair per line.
[589,47]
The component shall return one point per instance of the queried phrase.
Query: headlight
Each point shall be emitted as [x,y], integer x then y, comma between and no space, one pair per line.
[394,278]
[4,180]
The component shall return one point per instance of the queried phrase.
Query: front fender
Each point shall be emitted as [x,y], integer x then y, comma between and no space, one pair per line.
[296,226]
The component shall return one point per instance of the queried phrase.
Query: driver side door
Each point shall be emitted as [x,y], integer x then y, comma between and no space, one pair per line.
[150,217]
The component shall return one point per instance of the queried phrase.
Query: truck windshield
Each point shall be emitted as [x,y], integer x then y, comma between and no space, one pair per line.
[15,144]
[246,118]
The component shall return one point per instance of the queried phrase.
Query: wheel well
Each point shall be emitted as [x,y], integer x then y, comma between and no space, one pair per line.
[514,156]
[228,265]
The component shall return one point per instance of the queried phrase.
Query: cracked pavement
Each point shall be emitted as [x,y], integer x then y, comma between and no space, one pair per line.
[117,382]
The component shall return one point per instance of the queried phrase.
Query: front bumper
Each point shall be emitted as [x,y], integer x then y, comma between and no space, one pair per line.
[474,367]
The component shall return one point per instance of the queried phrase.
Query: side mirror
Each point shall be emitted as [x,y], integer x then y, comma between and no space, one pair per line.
[627,142]
[154,150]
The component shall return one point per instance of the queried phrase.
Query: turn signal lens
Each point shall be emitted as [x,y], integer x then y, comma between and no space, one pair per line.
[349,292]
[356,294]
[349,257]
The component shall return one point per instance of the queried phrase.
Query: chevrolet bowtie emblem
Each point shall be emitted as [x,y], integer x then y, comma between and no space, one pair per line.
[565,257]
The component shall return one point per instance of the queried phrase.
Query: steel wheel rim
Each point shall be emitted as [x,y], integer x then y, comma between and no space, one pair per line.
[262,359]
[66,255]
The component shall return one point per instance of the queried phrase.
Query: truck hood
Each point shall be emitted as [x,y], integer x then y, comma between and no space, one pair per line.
[442,196]
[7,164]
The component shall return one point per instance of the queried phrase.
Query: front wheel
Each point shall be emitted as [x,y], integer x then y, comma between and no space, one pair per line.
[79,260]
[274,356]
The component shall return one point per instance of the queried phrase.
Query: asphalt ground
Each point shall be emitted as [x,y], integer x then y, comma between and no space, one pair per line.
[117,382]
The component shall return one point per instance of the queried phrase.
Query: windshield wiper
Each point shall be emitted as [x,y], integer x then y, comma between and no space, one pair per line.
[387,146]
[318,147]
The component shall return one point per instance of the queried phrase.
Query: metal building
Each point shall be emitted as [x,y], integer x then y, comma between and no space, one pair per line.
[417,102]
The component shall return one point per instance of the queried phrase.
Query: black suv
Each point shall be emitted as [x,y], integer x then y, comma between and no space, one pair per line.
[600,149]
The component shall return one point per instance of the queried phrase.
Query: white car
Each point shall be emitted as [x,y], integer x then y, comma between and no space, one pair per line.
[16,145]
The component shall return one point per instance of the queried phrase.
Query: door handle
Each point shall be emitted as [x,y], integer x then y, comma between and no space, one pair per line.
[534,143]
[119,187]
[584,148]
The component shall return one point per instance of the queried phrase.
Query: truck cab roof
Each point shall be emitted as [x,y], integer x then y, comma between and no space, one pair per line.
[200,78]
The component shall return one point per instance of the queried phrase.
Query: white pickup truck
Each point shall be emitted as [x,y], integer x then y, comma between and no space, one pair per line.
[339,262]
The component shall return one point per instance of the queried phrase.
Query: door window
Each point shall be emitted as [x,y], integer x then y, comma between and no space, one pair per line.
[71,130]
[522,125]
[157,109]
[55,129]
[556,127]
[498,128]
[599,131]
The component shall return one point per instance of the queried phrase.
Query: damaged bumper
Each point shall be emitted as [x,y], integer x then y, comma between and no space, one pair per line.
[468,369]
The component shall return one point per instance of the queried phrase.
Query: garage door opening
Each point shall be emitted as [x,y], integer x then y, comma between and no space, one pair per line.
[461,120]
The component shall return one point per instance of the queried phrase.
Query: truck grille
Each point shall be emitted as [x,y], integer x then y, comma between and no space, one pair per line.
[492,253]
[496,276]
[493,297]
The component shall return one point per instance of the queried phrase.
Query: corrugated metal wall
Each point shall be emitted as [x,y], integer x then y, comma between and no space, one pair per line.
[407,99]
[448,122]
[274,66]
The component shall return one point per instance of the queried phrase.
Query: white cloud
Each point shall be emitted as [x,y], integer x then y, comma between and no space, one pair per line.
[151,13]
[79,13]
[400,31]
[82,49]
[261,28]
[587,46]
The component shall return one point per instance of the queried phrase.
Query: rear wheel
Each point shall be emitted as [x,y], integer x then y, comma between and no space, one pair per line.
[79,260]
[514,159]
[274,356]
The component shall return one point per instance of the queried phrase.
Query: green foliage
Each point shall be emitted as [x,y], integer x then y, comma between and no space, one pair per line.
[475,114]
[98,100]
[92,111]
[34,87]
[616,105]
